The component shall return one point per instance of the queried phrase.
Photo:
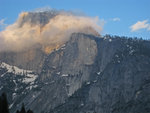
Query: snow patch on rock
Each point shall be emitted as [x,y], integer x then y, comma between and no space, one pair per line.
[29,75]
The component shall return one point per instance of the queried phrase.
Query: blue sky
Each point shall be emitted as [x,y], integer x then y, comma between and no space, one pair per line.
[119,15]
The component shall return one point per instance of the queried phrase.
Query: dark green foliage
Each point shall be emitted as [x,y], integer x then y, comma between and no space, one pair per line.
[3,104]
[17,111]
[23,109]
[29,111]
[0,105]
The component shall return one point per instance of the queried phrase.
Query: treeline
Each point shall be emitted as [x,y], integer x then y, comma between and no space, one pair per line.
[4,105]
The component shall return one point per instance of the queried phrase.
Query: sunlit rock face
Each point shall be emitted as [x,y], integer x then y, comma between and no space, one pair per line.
[36,18]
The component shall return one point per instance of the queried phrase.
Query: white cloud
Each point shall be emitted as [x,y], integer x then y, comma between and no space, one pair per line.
[140,25]
[2,24]
[116,19]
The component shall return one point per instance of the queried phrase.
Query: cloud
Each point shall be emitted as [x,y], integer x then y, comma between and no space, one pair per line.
[148,28]
[116,19]
[43,9]
[140,25]
[2,24]
[19,37]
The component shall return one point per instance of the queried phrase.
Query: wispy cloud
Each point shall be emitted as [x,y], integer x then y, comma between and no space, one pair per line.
[148,28]
[43,9]
[140,25]
[2,24]
[115,19]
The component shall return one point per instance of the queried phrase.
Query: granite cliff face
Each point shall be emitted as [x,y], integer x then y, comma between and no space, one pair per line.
[87,74]
[119,80]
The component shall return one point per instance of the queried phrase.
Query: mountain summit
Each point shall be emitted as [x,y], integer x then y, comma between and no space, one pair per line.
[88,73]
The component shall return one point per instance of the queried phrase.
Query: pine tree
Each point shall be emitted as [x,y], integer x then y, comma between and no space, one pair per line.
[29,111]
[0,105]
[4,103]
[17,111]
[23,109]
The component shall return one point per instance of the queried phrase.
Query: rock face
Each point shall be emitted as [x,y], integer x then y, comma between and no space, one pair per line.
[34,18]
[88,74]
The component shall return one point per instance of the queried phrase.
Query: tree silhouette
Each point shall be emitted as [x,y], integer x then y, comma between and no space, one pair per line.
[0,105]
[17,111]
[29,111]
[4,104]
[23,109]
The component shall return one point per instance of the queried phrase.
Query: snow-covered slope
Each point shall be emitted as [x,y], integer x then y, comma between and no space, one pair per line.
[16,82]
[29,76]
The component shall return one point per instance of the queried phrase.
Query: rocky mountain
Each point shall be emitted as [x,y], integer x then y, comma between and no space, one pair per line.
[87,74]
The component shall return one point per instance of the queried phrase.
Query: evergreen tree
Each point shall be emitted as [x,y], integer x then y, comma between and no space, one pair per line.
[0,105]
[23,109]
[4,103]
[17,111]
[29,111]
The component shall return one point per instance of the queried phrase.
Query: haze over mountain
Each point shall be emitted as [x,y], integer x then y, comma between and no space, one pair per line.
[57,62]
[48,30]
